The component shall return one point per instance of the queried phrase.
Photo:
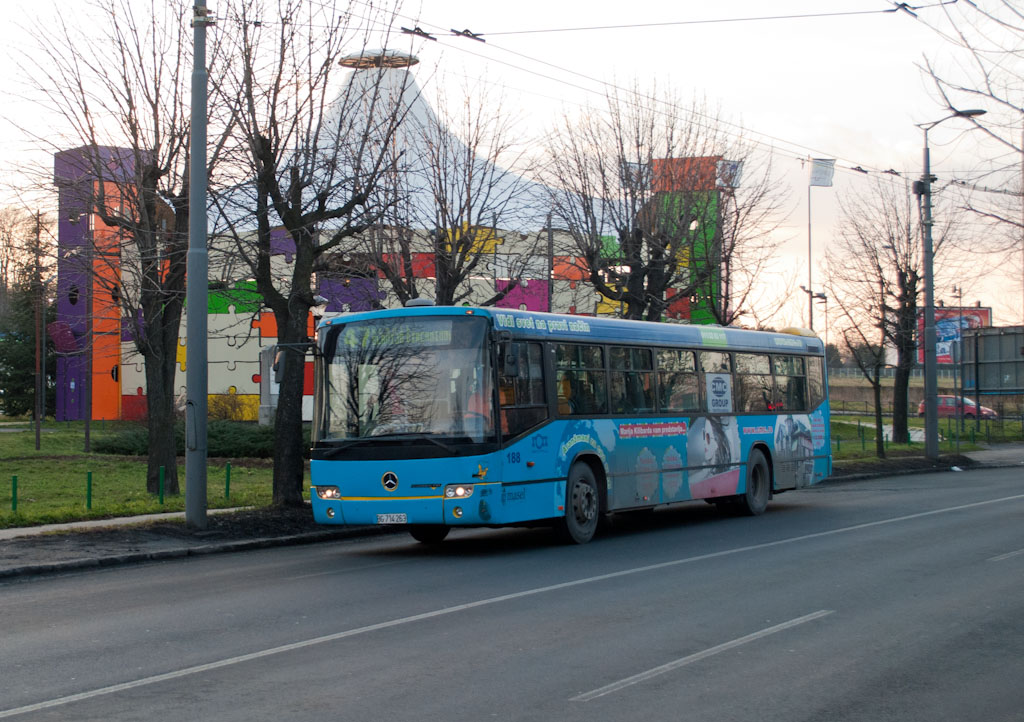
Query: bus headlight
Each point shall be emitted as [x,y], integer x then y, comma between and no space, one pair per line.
[328,492]
[458,491]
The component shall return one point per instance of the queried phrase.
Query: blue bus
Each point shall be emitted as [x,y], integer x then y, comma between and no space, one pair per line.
[437,417]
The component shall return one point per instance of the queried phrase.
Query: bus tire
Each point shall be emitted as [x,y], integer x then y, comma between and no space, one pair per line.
[582,506]
[754,500]
[429,533]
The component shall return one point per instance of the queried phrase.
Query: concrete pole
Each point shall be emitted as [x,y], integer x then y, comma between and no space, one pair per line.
[810,284]
[931,382]
[196,380]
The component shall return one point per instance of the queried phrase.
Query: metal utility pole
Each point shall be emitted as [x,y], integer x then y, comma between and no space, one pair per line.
[551,265]
[197,290]
[822,170]
[931,382]
[40,346]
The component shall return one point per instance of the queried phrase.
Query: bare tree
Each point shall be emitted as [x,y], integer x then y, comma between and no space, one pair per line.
[652,194]
[875,278]
[306,167]
[455,204]
[123,95]
[16,250]
[986,71]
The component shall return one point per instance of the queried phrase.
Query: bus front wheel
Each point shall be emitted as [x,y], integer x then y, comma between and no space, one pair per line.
[754,500]
[429,533]
[582,506]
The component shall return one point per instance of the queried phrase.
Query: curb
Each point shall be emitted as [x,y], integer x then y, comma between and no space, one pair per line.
[863,476]
[194,551]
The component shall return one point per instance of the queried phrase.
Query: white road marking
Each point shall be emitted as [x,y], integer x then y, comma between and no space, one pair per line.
[261,654]
[1008,555]
[682,662]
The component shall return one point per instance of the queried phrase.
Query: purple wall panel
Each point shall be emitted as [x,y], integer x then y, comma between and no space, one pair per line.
[71,372]
[281,244]
[74,173]
[533,296]
[351,294]
[132,328]
[80,165]
[72,295]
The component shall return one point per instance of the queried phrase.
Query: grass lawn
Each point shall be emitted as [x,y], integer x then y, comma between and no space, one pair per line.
[52,482]
[853,437]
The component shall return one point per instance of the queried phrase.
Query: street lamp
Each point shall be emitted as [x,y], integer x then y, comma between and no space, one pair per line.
[813,296]
[931,386]
[819,296]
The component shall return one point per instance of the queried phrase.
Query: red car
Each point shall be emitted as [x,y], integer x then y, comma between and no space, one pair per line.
[947,407]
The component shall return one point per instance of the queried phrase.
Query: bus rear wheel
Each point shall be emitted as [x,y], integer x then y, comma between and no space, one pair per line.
[754,500]
[582,506]
[429,533]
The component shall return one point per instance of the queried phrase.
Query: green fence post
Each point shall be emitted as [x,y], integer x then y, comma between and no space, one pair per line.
[161,485]
[88,490]
[14,493]
[227,480]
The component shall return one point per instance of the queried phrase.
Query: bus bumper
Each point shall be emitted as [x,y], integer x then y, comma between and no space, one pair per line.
[490,504]
[377,511]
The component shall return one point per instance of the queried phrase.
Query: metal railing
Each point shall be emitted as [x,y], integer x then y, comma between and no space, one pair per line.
[887,372]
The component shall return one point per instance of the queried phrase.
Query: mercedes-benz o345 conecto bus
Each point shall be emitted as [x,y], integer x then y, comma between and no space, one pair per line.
[437,417]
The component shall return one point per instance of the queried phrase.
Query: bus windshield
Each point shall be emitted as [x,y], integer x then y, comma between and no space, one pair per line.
[395,377]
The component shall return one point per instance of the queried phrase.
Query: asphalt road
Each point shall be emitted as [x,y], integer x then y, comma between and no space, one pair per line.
[894,599]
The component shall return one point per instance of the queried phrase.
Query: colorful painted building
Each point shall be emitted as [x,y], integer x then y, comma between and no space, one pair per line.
[100,369]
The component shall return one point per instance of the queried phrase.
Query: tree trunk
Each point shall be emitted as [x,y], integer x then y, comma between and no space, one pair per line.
[289,462]
[900,411]
[160,422]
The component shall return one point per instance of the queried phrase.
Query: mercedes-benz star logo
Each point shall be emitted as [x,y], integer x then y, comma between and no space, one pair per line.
[390,481]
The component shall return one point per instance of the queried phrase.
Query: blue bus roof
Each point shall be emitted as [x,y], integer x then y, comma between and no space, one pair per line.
[602,329]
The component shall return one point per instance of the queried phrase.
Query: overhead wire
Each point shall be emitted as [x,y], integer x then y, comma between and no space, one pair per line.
[770,143]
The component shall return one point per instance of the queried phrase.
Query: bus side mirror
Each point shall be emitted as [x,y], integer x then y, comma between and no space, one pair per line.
[510,360]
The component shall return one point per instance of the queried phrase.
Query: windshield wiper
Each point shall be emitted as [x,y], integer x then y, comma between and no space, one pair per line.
[407,436]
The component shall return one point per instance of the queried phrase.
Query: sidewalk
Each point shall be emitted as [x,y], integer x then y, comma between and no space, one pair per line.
[999,455]
[60,548]
[20,531]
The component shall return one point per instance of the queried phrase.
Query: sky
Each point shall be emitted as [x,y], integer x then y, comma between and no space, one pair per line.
[807,78]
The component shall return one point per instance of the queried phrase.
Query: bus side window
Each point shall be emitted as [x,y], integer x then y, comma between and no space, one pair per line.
[754,391]
[678,387]
[715,362]
[632,380]
[523,404]
[790,383]
[815,381]
[581,373]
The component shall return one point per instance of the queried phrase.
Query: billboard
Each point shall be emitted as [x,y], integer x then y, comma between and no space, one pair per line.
[950,321]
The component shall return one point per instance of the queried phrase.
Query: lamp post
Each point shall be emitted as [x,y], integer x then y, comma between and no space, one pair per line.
[931,385]
[813,296]
[820,296]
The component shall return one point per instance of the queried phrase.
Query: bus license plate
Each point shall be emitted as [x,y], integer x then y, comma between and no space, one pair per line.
[392,519]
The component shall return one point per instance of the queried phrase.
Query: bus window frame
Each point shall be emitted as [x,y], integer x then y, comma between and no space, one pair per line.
[497,350]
